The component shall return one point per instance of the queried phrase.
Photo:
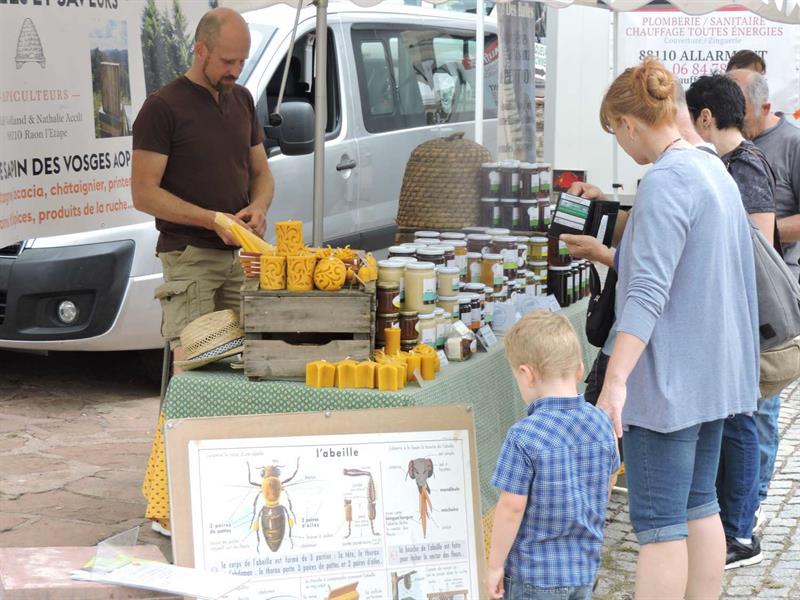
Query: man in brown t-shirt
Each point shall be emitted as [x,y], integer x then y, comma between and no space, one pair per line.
[197,149]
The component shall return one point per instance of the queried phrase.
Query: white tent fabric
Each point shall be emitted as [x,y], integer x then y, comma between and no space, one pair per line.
[785,11]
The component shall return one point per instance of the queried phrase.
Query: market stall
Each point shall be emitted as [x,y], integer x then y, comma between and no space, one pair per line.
[484,382]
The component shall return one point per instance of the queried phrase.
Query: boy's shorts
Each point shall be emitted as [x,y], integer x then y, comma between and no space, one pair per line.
[523,591]
[197,281]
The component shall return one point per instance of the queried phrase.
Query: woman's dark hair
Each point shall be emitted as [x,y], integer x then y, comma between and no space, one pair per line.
[721,96]
[747,59]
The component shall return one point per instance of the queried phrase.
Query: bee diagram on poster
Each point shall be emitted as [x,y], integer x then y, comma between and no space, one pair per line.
[369,516]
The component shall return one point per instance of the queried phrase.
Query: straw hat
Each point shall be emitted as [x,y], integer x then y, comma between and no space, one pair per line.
[210,338]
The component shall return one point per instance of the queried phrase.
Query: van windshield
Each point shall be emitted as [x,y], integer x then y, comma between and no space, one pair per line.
[260,36]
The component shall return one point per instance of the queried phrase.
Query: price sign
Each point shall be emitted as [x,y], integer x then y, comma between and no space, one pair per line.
[486,337]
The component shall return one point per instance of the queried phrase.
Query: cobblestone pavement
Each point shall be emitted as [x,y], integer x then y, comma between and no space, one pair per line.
[777,576]
[75,432]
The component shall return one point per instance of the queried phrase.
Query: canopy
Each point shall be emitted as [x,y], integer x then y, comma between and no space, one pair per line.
[785,11]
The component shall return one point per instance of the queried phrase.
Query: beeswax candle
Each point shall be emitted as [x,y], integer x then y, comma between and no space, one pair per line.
[365,374]
[428,367]
[273,272]
[320,374]
[392,336]
[413,363]
[345,374]
[300,273]
[387,377]
[289,237]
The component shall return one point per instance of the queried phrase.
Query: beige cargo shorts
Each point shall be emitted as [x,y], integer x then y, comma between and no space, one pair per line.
[197,281]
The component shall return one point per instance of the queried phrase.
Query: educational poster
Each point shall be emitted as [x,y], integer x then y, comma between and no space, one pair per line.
[73,74]
[367,516]
[695,45]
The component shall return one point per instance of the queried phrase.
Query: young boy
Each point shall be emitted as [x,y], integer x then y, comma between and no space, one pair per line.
[553,471]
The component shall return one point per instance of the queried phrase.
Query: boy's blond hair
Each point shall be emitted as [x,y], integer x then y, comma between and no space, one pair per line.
[545,342]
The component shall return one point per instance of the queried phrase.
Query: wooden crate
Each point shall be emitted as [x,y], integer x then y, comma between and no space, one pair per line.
[285,330]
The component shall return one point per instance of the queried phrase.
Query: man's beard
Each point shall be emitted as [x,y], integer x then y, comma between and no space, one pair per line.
[222,85]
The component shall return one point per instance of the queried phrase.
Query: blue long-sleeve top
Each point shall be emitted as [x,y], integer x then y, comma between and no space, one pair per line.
[687,289]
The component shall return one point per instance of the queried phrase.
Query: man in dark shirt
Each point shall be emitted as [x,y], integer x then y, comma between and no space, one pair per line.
[717,106]
[197,149]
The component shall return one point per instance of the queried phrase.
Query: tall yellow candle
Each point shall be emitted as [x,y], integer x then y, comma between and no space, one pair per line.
[289,237]
[428,367]
[414,363]
[392,340]
[273,272]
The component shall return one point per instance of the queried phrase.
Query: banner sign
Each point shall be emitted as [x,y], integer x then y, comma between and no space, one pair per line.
[516,114]
[73,74]
[695,45]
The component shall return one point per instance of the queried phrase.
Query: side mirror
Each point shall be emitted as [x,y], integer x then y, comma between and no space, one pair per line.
[293,128]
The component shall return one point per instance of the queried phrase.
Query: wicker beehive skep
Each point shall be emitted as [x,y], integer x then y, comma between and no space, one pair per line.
[441,184]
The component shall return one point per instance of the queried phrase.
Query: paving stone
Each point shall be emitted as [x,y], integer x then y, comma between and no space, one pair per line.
[739,591]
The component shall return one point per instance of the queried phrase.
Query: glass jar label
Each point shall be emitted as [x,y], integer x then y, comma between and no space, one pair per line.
[509,258]
[546,214]
[494,181]
[428,336]
[515,217]
[497,274]
[533,216]
[429,291]
[475,273]
[495,216]
[461,263]
[563,249]
[440,333]
[514,182]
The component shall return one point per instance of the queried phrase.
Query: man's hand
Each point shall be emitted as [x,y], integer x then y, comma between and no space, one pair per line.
[496,582]
[586,190]
[589,247]
[612,401]
[223,233]
[254,218]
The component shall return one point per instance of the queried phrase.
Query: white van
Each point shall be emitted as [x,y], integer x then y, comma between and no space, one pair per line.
[397,76]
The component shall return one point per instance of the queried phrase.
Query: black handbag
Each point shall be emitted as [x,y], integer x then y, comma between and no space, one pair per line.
[600,314]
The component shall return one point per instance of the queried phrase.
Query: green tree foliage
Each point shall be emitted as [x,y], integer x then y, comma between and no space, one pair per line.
[166,44]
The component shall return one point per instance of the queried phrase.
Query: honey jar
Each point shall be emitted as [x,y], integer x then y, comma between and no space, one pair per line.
[384,321]
[449,252]
[420,286]
[537,248]
[431,254]
[492,270]
[449,304]
[509,213]
[447,281]
[477,242]
[558,282]
[427,235]
[443,319]
[426,326]
[460,256]
[528,215]
[449,236]
[408,325]
[488,305]
[465,309]
[387,297]
[545,213]
[557,252]
[401,252]
[475,311]
[473,267]
[490,212]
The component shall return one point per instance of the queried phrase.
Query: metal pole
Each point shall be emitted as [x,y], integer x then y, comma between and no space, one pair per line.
[479,50]
[320,119]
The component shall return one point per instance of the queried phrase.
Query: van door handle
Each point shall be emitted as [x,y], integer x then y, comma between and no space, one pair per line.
[346,165]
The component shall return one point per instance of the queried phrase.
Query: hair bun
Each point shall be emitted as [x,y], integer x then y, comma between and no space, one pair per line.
[659,83]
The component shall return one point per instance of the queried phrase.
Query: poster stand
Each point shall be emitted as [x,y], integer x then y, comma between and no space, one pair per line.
[408,478]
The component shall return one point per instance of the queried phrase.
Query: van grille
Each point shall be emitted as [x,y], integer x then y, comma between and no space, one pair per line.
[3,297]
[11,251]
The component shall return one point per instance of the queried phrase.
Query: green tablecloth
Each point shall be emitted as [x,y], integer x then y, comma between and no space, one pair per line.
[484,382]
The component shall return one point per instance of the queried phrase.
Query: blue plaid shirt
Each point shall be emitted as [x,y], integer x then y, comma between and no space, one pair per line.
[561,456]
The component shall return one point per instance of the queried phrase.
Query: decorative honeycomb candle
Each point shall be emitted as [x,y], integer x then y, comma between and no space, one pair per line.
[300,273]
[289,235]
[273,272]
